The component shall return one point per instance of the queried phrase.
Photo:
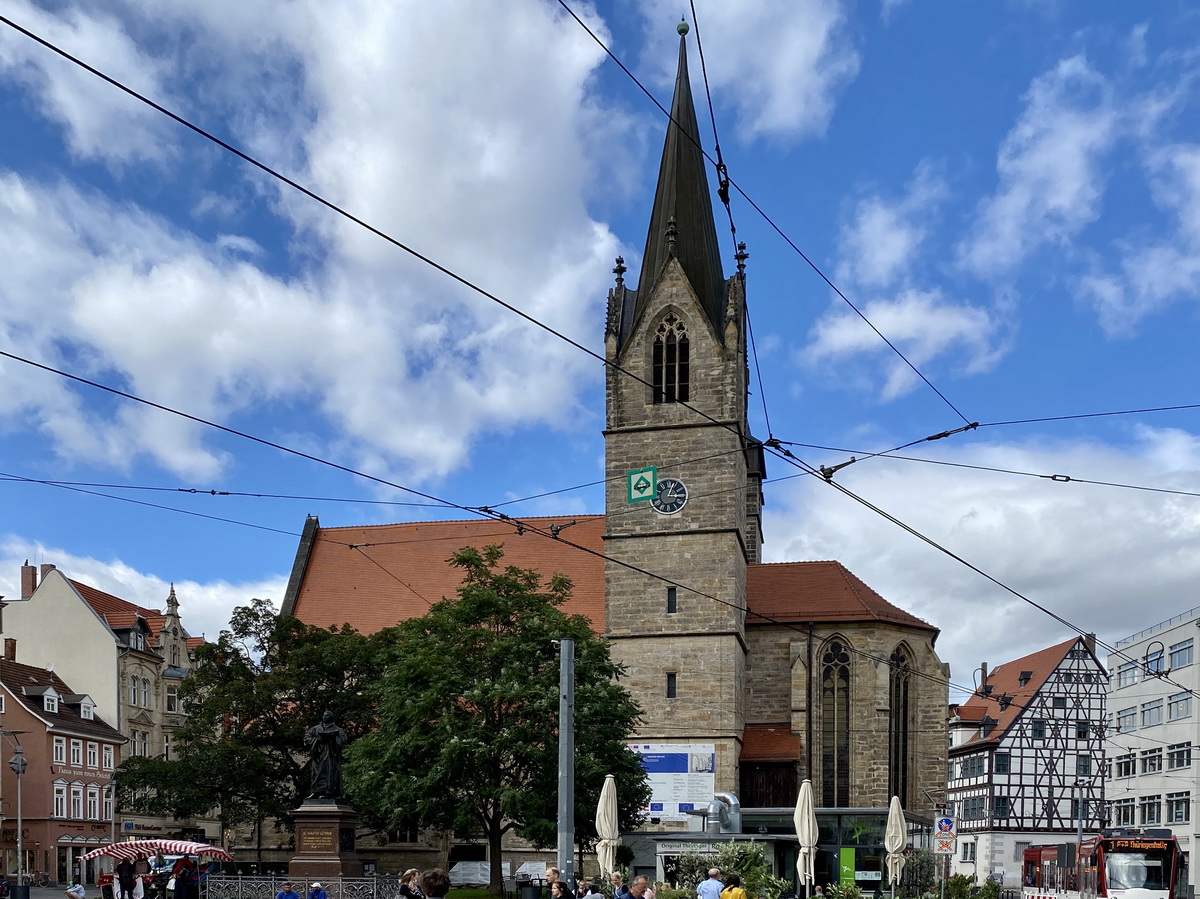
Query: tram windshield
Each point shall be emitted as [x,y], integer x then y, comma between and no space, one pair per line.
[1134,870]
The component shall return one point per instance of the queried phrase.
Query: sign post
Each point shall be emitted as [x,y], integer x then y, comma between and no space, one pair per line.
[944,840]
[641,484]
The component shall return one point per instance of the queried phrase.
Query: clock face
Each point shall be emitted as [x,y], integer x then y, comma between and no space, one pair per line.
[672,496]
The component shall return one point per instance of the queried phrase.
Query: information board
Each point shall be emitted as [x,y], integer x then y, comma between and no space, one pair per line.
[681,776]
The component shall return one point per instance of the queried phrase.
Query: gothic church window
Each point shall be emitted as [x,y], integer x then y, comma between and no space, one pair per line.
[835,726]
[899,751]
[670,365]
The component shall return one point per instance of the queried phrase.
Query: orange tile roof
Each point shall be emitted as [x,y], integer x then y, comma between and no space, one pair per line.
[375,576]
[818,591]
[770,743]
[119,613]
[1005,680]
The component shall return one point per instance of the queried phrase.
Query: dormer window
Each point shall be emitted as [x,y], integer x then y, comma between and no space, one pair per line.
[50,702]
[86,711]
[670,365]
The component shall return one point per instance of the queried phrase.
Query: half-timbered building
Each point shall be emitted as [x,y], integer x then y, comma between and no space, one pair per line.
[1026,758]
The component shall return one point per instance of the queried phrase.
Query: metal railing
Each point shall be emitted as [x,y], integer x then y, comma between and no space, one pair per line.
[237,886]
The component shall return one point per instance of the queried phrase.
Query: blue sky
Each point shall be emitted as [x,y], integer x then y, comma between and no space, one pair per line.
[1008,191]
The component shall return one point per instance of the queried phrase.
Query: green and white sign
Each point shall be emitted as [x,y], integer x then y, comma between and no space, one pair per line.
[641,484]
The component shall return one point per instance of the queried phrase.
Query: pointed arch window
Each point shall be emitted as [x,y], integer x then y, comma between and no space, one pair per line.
[899,725]
[835,725]
[671,364]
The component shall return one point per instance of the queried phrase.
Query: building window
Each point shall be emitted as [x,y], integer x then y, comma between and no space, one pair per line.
[1151,761]
[93,803]
[77,752]
[1179,808]
[1179,755]
[86,711]
[145,737]
[1154,662]
[93,755]
[1179,706]
[1181,653]
[972,766]
[133,690]
[968,853]
[1127,719]
[174,656]
[166,746]
[173,696]
[1127,674]
[672,685]
[671,373]
[1058,702]
[107,755]
[1019,848]
[672,600]
[1083,730]
[899,722]
[77,801]
[1003,764]
[146,694]
[60,750]
[1152,713]
[1123,813]
[108,804]
[1038,729]
[835,726]
[1000,807]
[1083,765]
[50,702]
[1150,809]
[1126,765]
[60,799]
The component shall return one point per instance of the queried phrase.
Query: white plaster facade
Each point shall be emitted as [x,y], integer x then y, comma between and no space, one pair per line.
[1155,727]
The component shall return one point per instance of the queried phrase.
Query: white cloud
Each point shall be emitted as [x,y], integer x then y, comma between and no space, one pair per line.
[1110,560]
[1051,182]
[204,608]
[782,63]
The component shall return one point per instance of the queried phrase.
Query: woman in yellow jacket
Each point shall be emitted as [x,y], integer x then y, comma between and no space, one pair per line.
[733,888]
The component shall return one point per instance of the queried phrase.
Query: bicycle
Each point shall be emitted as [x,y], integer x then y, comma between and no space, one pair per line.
[37,879]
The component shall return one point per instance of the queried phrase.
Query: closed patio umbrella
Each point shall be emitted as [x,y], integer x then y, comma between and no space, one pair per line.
[805,819]
[606,828]
[895,841]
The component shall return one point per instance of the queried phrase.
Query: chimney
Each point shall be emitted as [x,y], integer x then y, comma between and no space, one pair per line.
[1089,640]
[47,567]
[10,649]
[29,580]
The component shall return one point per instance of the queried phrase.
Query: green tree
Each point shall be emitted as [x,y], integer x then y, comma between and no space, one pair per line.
[467,735]
[746,859]
[249,700]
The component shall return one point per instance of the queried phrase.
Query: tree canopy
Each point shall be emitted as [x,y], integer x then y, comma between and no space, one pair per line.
[251,696]
[466,731]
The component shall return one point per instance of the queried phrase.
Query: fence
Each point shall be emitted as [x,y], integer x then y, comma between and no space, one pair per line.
[237,886]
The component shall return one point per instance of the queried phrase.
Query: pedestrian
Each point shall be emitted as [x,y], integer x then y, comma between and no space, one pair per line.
[878,894]
[640,887]
[820,892]
[184,873]
[288,892]
[581,888]
[711,888]
[552,876]
[4,889]
[435,883]
[124,875]
[558,890]
[76,890]
[620,891]
[316,891]
[409,888]
[733,888]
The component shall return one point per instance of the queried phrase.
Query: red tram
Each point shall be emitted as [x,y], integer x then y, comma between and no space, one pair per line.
[1136,864]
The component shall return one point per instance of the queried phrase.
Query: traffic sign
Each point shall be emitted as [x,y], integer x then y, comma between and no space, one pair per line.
[947,827]
[641,484]
[944,845]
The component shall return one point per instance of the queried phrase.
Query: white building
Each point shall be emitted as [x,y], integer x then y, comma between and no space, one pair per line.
[1154,724]
[1026,758]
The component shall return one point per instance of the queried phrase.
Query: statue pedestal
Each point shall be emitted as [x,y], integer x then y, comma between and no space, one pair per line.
[324,841]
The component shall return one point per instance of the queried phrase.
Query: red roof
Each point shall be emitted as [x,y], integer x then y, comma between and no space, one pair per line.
[117,612]
[818,591]
[770,743]
[375,576]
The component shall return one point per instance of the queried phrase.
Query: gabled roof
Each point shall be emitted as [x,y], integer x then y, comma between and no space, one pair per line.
[820,592]
[376,576]
[26,685]
[116,612]
[1020,680]
[682,194]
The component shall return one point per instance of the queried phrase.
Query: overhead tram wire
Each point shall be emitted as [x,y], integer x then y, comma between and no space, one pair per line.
[450,273]
[762,213]
[1029,421]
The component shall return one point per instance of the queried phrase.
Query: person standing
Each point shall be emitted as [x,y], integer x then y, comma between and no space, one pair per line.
[409,888]
[620,891]
[640,888]
[287,892]
[733,888]
[125,874]
[435,883]
[184,873]
[711,888]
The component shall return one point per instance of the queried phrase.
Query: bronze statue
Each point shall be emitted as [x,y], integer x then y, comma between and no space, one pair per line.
[325,742]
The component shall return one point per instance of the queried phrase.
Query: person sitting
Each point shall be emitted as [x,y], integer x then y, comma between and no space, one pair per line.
[316,891]
[287,892]
[76,890]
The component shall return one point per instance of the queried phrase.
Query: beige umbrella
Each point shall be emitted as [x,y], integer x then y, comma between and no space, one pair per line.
[606,828]
[805,819]
[895,841]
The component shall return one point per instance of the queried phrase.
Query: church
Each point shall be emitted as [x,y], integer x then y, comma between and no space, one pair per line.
[751,675]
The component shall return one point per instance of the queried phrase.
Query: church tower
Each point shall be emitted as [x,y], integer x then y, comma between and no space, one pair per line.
[682,332]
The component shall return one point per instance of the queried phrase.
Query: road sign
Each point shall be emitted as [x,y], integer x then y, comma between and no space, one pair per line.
[946,836]
[641,484]
[947,827]
[944,845]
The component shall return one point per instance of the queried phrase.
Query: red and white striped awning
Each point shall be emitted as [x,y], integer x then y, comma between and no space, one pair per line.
[135,849]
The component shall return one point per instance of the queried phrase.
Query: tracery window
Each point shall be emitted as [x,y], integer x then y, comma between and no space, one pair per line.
[900,682]
[670,365]
[835,725]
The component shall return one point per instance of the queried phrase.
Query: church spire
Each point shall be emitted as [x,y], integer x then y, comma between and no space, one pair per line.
[681,222]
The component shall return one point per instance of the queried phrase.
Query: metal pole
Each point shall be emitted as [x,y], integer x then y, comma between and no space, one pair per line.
[20,825]
[566,762]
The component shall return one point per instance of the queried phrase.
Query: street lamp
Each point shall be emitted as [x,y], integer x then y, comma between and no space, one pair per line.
[17,764]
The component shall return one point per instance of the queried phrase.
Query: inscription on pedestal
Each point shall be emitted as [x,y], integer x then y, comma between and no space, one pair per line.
[317,839]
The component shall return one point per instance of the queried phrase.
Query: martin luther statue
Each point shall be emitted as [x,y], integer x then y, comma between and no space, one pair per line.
[325,742]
